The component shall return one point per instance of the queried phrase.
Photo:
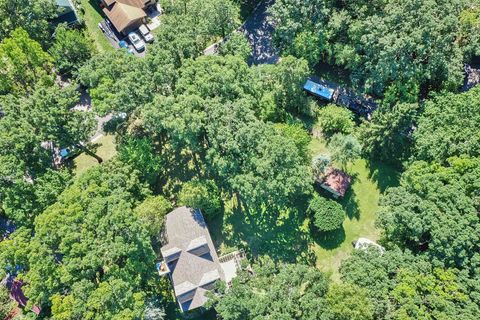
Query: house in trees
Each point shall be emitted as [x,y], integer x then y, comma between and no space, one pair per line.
[66,13]
[190,258]
[126,15]
[334,181]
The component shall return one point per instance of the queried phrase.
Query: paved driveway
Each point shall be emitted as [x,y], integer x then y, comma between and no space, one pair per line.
[259,29]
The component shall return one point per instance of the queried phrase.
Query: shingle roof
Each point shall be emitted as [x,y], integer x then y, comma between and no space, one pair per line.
[122,14]
[197,264]
[336,180]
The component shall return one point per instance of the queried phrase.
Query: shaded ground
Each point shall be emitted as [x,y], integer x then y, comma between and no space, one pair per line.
[259,29]
[290,237]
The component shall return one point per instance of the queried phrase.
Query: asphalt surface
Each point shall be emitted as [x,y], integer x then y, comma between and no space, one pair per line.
[259,29]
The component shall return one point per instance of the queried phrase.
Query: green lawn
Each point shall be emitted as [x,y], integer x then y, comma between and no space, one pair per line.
[289,236]
[360,203]
[92,16]
[104,147]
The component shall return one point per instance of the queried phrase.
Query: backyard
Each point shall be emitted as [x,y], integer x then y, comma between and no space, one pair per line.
[290,237]
[92,16]
[104,147]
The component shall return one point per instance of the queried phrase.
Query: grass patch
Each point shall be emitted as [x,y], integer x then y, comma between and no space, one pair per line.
[92,16]
[289,236]
[360,204]
[104,147]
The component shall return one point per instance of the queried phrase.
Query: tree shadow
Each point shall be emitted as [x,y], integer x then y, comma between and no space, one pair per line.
[328,240]
[96,5]
[282,238]
[350,205]
[384,175]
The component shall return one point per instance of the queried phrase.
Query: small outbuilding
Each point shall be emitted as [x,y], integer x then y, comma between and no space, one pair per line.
[319,90]
[335,181]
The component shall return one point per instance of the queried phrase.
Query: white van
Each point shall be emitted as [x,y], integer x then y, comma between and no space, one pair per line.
[145,33]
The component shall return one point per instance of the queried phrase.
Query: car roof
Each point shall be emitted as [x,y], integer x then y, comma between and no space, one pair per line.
[143,29]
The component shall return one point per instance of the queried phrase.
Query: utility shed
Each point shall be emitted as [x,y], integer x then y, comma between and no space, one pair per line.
[191,257]
[335,181]
[319,90]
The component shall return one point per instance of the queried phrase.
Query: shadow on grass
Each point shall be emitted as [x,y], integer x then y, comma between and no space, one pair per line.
[328,240]
[281,237]
[384,175]
[350,205]
[95,4]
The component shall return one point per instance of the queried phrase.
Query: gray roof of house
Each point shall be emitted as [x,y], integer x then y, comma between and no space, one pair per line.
[186,232]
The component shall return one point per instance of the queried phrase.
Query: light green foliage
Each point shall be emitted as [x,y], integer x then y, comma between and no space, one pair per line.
[203,195]
[328,215]
[344,148]
[140,153]
[279,88]
[349,302]
[437,206]
[70,50]
[428,296]
[299,135]
[404,286]
[388,136]
[297,19]
[151,213]
[25,165]
[31,15]
[188,27]
[320,164]
[227,78]
[89,256]
[253,160]
[334,119]
[309,46]
[135,80]
[236,45]
[275,291]
[449,127]
[23,63]
[6,304]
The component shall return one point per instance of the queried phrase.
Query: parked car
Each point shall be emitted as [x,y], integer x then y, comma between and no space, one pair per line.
[136,41]
[145,33]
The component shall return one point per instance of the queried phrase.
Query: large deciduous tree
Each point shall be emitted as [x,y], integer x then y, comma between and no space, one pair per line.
[23,64]
[435,211]
[89,256]
[279,291]
[31,15]
[449,127]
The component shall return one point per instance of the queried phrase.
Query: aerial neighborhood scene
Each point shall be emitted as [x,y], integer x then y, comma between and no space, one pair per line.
[240,159]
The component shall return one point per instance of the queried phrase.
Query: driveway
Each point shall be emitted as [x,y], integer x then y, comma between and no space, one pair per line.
[259,29]
[85,105]
[114,37]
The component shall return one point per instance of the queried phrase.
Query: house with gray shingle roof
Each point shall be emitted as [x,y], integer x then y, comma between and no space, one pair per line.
[189,257]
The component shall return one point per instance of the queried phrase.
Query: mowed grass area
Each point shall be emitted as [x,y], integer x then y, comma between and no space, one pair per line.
[104,147]
[289,236]
[361,206]
[92,16]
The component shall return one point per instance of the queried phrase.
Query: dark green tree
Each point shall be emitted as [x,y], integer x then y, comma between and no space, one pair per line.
[327,215]
[70,50]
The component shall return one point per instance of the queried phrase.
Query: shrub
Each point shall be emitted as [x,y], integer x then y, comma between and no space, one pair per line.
[328,215]
[333,119]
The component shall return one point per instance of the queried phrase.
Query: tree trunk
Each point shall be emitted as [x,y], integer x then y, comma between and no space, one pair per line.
[90,153]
